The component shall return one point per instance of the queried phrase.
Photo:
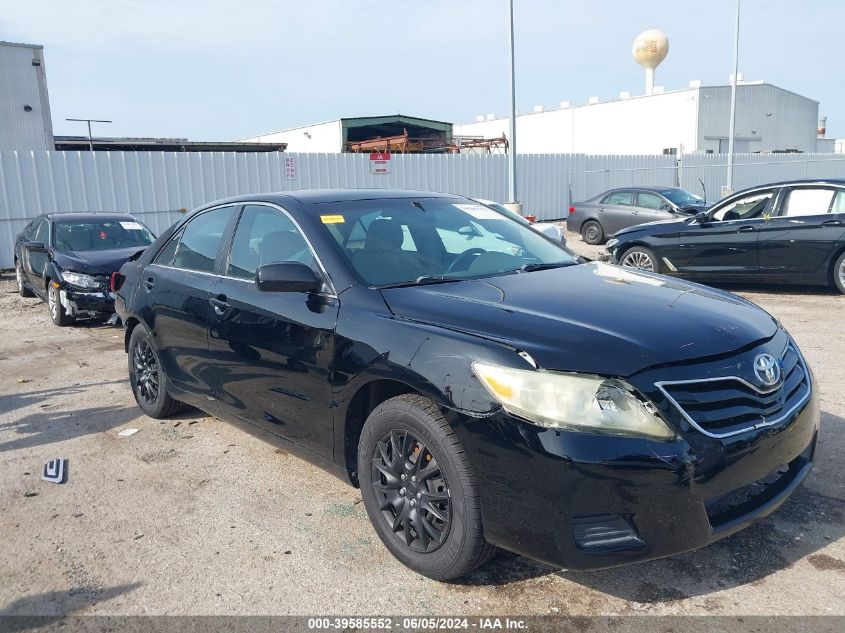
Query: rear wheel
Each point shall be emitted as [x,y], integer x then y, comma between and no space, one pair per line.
[22,289]
[641,258]
[839,273]
[57,311]
[592,232]
[147,377]
[419,490]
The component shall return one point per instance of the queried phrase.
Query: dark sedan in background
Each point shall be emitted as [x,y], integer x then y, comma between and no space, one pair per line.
[600,217]
[67,259]
[787,232]
[480,392]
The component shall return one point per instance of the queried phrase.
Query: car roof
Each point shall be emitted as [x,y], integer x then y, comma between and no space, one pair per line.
[81,217]
[317,196]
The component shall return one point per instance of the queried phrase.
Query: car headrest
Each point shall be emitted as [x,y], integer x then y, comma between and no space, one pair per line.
[384,235]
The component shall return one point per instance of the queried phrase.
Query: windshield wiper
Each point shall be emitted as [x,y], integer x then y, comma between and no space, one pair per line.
[424,280]
[527,268]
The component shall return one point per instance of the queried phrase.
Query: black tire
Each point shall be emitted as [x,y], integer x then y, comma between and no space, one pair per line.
[447,488]
[637,256]
[592,232]
[58,314]
[147,377]
[839,273]
[23,290]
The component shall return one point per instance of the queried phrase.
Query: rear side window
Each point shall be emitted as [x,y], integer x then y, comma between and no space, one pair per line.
[197,249]
[620,197]
[266,235]
[807,202]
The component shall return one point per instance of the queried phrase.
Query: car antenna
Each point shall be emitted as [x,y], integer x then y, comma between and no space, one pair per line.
[703,188]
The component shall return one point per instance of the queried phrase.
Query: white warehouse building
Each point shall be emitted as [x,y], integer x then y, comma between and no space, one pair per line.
[25,122]
[695,119]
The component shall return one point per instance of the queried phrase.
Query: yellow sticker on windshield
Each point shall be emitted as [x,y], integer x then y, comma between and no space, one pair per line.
[332,219]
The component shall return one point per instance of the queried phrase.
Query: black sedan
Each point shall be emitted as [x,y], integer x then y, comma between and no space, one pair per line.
[788,232]
[67,259]
[482,392]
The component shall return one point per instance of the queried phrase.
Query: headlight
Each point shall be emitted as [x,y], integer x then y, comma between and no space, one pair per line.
[611,243]
[81,281]
[579,402]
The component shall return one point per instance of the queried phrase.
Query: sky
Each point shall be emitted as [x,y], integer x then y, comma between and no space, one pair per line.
[228,69]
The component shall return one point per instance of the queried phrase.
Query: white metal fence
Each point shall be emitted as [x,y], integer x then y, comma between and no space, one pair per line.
[154,186]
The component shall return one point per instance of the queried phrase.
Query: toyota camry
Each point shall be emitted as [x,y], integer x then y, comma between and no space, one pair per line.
[483,386]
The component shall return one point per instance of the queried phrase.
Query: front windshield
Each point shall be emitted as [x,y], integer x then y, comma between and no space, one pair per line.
[682,198]
[85,235]
[513,215]
[397,241]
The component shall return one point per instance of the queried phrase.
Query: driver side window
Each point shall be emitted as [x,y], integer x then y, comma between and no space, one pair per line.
[744,208]
[651,201]
[42,232]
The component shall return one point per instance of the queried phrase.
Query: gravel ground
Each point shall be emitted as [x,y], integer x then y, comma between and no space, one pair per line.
[192,516]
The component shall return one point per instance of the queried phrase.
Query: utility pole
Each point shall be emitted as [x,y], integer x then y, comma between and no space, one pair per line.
[513,198]
[89,122]
[732,125]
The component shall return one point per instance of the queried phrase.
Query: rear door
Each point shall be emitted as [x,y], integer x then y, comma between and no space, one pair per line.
[650,207]
[614,211]
[725,245]
[272,351]
[178,285]
[799,239]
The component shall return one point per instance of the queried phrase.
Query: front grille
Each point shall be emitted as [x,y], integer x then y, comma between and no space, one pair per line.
[720,407]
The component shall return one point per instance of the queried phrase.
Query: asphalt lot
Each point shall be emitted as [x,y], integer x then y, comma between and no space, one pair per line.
[193,516]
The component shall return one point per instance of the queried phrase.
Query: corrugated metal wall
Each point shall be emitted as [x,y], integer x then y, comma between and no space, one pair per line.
[155,185]
[23,85]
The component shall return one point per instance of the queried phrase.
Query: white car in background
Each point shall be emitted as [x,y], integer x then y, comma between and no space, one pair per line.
[548,229]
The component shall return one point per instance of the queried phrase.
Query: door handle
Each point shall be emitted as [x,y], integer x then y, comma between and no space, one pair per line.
[149,284]
[219,304]
[832,223]
[745,229]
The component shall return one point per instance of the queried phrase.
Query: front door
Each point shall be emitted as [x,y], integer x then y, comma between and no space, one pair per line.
[798,240]
[650,207]
[725,245]
[179,283]
[272,350]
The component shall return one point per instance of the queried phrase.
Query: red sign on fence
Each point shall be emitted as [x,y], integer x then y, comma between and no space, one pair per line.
[380,163]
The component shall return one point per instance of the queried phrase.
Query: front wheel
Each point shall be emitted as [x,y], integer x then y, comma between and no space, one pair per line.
[839,273]
[57,311]
[641,258]
[147,377]
[419,490]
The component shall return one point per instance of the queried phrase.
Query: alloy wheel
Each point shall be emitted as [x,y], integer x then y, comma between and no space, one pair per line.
[413,494]
[638,259]
[842,273]
[592,233]
[53,301]
[19,276]
[146,372]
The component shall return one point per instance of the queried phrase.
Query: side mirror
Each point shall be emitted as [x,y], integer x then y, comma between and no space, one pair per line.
[286,277]
[702,217]
[35,247]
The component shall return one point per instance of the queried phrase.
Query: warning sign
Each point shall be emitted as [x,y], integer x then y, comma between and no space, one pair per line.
[380,163]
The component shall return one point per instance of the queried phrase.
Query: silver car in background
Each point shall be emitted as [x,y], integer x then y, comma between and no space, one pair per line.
[600,217]
[548,229]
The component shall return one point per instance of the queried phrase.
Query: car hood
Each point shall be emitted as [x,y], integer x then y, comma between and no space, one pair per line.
[592,318]
[94,262]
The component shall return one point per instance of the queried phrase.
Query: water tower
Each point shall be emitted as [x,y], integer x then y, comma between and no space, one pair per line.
[650,48]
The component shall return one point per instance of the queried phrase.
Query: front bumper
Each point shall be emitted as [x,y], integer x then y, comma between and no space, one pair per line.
[586,501]
[81,303]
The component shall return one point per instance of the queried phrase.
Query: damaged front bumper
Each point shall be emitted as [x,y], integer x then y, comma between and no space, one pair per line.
[86,303]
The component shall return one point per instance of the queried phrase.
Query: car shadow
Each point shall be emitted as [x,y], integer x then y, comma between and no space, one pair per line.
[810,520]
[15,401]
[51,426]
[39,610]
